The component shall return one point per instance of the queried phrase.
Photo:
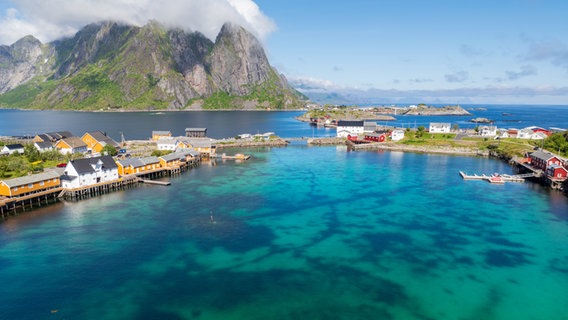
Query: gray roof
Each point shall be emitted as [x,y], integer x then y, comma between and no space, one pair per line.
[34,178]
[197,142]
[133,162]
[86,165]
[161,132]
[44,145]
[150,160]
[195,129]
[172,157]
[350,123]
[75,142]
[188,152]
[14,146]
[545,156]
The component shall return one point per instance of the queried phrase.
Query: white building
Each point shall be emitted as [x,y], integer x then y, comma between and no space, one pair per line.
[347,128]
[167,144]
[13,148]
[397,135]
[440,127]
[529,134]
[89,171]
[487,131]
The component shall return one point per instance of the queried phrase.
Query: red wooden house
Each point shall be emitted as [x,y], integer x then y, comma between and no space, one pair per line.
[557,172]
[542,160]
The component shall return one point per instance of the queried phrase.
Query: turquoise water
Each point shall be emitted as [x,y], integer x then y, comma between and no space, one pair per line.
[297,233]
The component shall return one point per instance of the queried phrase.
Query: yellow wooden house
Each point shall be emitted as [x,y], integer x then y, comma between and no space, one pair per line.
[204,146]
[171,160]
[137,165]
[71,145]
[156,135]
[30,184]
[97,140]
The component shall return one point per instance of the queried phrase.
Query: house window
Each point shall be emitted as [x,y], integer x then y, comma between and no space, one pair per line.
[31,185]
[42,183]
[15,188]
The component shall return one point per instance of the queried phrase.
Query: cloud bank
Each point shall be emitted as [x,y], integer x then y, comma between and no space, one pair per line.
[49,20]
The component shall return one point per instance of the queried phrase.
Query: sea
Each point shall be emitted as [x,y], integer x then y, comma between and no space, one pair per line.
[296,232]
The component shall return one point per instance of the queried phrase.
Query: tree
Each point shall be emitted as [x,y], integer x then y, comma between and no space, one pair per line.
[31,153]
[109,150]
[455,127]
[420,131]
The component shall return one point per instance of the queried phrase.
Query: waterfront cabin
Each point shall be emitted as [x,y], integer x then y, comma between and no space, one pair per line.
[397,134]
[71,145]
[52,136]
[171,160]
[542,160]
[156,135]
[204,146]
[530,134]
[97,140]
[31,184]
[557,172]
[13,148]
[89,171]
[375,137]
[43,146]
[347,128]
[196,132]
[137,165]
[188,154]
[439,127]
[167,144]
[487,131]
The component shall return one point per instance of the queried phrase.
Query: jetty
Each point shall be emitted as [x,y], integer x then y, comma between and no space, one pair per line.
[238,156]
[156,182]
[497,178]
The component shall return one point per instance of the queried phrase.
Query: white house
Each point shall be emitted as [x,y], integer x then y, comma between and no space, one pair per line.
[347,128]
[397,135]
[13,148]
[439,127]
[89,171]
[528,133]
[487,131]
[43,146]
[167,144]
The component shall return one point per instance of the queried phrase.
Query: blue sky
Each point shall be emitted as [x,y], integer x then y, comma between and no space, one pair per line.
[382,51]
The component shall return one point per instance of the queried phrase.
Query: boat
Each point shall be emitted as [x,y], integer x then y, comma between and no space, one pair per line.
[238,156]
[496,179]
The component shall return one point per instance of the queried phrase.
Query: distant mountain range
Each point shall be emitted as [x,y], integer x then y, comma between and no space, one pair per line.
[112,66]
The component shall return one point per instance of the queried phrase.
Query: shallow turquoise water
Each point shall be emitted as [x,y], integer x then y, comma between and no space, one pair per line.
[297,233]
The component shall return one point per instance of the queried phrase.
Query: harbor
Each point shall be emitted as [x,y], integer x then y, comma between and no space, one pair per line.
[497,177]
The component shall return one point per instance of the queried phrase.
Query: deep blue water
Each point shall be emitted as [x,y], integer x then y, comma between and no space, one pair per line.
[294,233]
[223,124]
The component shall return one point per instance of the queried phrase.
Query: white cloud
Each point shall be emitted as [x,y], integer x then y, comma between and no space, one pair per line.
[50,20]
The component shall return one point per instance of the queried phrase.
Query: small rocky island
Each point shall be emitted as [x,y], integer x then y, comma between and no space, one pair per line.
[424,110]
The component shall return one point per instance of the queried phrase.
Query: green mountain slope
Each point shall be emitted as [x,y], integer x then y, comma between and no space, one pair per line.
[109,66]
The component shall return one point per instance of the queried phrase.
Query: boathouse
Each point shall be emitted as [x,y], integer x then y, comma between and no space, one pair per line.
[196,132]
[171,160]
[89,171]
[557,172]
[204,146]
[97,140]
[137,165]
[542,160]
[31,184]
[439,127]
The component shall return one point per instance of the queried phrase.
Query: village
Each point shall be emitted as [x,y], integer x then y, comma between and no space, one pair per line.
[91,171]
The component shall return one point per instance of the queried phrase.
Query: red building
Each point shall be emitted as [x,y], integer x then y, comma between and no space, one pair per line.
[542,160]
[557,172]
[376,137]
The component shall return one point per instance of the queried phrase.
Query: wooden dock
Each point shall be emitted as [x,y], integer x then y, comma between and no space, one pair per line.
[497,178]
[156,182]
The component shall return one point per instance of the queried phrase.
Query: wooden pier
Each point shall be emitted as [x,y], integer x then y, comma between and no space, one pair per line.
[15,204]
[156,182]
[497,178]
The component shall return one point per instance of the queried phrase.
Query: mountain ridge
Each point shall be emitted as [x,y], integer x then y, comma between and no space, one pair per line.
[113,66]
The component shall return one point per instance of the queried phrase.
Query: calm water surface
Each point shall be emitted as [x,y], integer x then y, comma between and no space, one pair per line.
[297,233]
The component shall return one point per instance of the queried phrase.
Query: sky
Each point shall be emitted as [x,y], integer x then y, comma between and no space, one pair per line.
[362,51]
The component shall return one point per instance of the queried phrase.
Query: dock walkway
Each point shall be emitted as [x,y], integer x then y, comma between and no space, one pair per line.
[497,178]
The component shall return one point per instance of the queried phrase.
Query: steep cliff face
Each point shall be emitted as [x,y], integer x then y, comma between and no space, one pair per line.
[22,61]
[114,66]
[238,61]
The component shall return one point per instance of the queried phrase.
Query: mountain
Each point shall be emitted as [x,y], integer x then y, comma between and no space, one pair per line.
[110,65]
